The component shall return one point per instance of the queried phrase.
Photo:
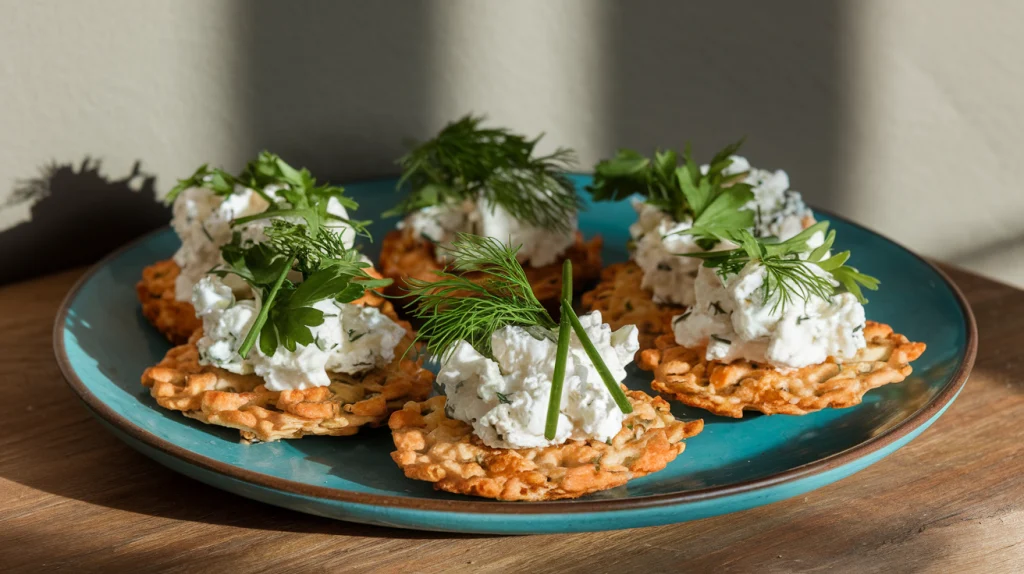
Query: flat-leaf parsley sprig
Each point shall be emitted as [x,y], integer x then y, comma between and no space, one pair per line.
[468,162]
[289,191]
[328,268]
[456,308]
[788,277]
[299,240]
[713,201]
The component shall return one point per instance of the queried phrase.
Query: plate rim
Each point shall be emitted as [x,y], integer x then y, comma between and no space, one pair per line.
[471,506]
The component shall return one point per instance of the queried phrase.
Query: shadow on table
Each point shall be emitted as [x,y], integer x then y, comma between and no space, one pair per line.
[94,467]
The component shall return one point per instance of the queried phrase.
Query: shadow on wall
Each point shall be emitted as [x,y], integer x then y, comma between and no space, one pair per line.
[337,86]
[711,72]
[78,216]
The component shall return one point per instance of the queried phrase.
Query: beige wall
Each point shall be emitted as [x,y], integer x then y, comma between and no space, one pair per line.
[903,114]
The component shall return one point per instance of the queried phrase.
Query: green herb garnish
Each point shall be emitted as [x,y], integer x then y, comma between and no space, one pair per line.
[286,314]
[561,358]
[289,191]
[712,202]
[787,276]
[454,308]
[494,165]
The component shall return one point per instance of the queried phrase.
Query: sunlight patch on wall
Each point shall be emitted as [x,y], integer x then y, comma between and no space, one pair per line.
[534,66]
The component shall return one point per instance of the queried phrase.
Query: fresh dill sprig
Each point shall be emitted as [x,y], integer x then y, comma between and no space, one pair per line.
[713,201]
[494,165]
[328,268]
[788,277]
[455,308]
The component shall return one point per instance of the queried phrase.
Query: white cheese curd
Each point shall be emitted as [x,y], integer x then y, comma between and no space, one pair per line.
[735,322]
[779,212]
[440,223]
[668,276]
[202,220]
[505,400]
[351,340]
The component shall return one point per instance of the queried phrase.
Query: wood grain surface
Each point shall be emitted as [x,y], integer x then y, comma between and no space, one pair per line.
[74,498]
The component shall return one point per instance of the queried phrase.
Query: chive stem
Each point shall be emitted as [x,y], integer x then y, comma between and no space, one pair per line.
[561,357]
[261,318]
[595,357]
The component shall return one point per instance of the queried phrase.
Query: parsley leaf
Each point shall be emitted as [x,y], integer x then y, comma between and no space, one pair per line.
[713,201]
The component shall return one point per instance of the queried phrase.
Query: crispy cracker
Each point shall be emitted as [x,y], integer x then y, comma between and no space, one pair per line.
[622,301]
[175,319]
[434,448]
[727,389]
[218,397]
[404,255]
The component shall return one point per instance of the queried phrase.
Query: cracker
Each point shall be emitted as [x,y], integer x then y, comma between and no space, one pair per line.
[434,448]
[175,319]
[622,301]
[218,397]
[404,255]
[727,389]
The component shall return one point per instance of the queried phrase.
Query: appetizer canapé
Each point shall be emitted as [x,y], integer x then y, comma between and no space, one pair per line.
[671,197]
[292,339]
[532,409]
[488,182]
[207,207]
[777,327]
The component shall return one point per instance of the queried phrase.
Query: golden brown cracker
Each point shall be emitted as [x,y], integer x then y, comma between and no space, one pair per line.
[434,448]
[218,397]
[622,301]
[175,319]
[727,389]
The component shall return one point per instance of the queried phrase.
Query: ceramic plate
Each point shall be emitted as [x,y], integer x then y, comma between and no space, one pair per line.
[103,344]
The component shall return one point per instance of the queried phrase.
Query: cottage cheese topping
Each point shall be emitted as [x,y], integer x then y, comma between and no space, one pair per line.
[351,340]
[779,212]
[506,399]
[667,276]
[733,319]
[440,223]
[202,220]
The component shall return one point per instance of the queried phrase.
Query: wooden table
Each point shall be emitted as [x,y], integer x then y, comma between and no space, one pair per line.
[73,497]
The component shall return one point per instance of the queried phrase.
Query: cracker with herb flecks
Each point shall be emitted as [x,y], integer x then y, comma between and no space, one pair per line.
[218,397]
[622,301]
[727,389]
[434,448]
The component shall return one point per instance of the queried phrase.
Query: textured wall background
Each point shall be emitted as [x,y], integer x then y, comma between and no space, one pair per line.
[902,114]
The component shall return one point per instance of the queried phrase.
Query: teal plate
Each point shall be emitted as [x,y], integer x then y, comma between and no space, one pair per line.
[103,344]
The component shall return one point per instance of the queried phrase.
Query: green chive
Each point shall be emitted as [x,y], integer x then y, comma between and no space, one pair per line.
[595,357]
[561,357]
